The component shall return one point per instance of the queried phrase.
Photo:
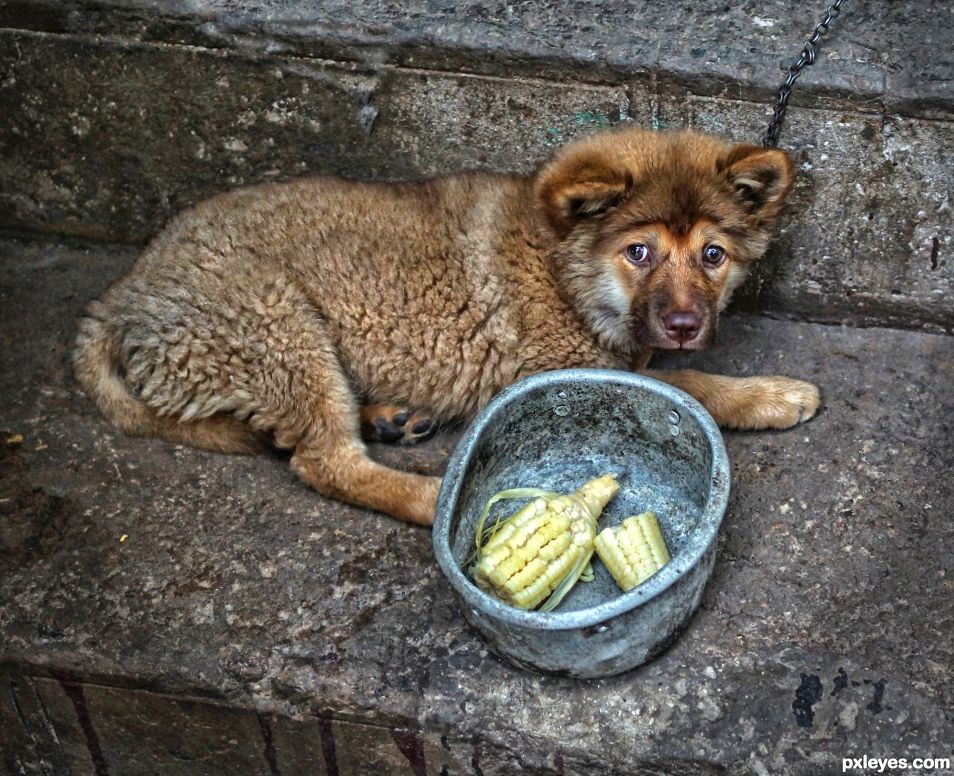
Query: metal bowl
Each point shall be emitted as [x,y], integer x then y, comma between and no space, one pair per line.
[556,430]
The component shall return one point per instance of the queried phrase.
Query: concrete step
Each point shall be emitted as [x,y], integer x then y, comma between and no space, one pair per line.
[119,113]
[164,610]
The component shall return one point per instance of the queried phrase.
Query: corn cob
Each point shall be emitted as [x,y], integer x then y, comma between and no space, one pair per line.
[540,552]
[633,551]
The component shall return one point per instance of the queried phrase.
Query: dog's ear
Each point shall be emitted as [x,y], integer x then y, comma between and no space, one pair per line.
[577,187]
[761,177]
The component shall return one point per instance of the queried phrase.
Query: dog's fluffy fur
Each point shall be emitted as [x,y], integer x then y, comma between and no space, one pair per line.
[274,313]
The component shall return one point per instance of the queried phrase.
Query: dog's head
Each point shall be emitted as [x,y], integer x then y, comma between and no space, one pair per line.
[655,231]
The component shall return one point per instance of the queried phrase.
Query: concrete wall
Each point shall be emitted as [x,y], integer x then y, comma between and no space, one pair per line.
[106,136]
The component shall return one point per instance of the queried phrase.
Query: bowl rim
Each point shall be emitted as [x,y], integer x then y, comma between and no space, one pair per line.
[711,517]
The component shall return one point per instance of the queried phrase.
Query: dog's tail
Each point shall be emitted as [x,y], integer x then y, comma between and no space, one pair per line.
[96,364]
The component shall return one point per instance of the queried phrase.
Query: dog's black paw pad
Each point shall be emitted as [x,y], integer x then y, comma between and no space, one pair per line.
[387,431]
[420,430]
[422,426]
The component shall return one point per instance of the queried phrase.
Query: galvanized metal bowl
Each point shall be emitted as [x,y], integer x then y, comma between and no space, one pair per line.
[555,430]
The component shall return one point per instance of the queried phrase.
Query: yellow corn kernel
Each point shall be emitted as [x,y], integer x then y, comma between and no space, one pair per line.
[539,552]
[633,551]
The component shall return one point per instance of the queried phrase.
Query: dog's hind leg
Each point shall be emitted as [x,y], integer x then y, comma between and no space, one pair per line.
[254,356]
[307,402]
[747,402]
[96,364]
[330,456]
[301,394]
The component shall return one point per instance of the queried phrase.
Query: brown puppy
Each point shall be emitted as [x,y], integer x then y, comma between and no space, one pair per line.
[274,313]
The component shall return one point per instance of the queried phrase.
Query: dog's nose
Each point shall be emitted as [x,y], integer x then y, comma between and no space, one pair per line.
[682,325]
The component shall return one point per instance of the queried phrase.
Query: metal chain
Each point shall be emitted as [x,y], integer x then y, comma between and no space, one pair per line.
[808,56]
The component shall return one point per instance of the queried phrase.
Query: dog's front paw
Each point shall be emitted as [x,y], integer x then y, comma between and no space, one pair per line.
[781,402]
[395,425]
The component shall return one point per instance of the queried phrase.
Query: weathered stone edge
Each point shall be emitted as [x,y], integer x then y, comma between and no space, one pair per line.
[815,89]
[324,740]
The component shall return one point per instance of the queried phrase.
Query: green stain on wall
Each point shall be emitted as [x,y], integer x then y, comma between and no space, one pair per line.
[591,117]
[584,120]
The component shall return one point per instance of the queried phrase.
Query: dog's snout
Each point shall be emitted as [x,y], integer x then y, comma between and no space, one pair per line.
[682,325]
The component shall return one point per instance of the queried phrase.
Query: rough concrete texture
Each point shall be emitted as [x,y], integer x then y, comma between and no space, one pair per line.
[885,55]
[245,625]
[870,232]
[120,114]
[143,131]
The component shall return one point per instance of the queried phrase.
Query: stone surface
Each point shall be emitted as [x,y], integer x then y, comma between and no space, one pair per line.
[239,596]
[869,234]
[122,113]
[880,55]
[132,134]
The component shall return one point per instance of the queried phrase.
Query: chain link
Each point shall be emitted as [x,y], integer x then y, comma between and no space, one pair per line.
[808,56]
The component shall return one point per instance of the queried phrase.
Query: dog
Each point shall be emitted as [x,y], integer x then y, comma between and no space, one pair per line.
[315,313]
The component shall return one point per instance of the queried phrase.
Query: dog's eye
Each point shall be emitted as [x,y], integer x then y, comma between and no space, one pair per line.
[638,254]
[713,256]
